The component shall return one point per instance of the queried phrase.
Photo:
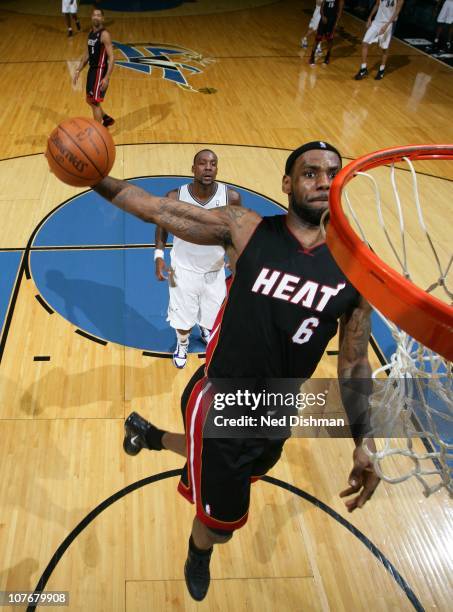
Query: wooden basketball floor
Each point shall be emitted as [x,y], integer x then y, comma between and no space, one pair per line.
[61,420]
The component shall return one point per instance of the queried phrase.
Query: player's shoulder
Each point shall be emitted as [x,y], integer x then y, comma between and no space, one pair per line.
[234,197]
[173,194]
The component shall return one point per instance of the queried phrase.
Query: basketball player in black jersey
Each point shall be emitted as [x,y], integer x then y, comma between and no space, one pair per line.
[99,55]
[284,304]
[331,11]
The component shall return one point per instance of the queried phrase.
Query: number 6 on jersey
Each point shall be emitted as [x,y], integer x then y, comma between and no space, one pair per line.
[305,331]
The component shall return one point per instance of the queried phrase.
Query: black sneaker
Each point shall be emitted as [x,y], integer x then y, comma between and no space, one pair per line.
[139,433]
[107,121]
[362,73]
[196,572]
[327,59]
[78,25]
[379,75]
[69,32]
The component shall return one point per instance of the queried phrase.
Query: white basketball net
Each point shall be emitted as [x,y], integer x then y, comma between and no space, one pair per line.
[412,406]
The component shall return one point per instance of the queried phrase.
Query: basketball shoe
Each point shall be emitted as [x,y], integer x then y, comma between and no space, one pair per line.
[362,73]
[180,355]
[139,433]
[196,571]
[379,75]
[204,334]
[107,121]
[304,42]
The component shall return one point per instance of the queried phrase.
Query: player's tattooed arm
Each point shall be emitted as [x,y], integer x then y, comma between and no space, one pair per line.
[354,373]
[191,223]
[354,370]
[355,332]
[161,234]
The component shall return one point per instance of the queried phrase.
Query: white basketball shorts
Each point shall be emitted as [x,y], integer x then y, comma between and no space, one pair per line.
[446,12]
[195,298]
[372,34]
[68,7]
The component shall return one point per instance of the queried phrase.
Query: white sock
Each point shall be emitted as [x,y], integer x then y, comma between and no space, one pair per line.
[363,66]
[382,67]
[182,338]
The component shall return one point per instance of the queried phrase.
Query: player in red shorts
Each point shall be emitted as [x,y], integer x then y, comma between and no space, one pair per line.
[330,14]
[99,55]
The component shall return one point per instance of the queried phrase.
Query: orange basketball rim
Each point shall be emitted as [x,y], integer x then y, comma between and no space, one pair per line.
[423,316]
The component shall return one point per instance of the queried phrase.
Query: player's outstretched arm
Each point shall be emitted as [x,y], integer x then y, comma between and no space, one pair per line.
[230,226]
[354,373]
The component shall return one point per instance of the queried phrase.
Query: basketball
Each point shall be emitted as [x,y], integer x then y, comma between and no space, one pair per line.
[80,152]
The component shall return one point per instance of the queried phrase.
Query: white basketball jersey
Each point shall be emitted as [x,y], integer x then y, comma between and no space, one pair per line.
[385,10]
[197,257]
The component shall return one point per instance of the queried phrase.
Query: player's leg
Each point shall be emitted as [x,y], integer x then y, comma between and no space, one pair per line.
[328,50]
[183,307]
[74,15]
[220,487]
[316,42]
[140,433]
[67,18]
[363,70]
[97,112]
[380,73]
[211,299]
[384,43]
[76,19]
[93,97]
[222,494]
[196,567]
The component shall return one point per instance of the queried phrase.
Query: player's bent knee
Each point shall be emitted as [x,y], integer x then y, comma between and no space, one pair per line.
[220,536]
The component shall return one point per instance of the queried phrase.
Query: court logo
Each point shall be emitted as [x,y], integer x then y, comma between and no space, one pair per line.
[176,64]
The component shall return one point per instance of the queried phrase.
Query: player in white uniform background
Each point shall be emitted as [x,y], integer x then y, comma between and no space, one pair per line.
[196,279]
[312,27]
[69,10]
[444,22]
[379,31]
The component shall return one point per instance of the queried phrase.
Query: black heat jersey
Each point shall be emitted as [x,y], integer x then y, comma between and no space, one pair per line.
[282,309]
[330,10]
[97,55]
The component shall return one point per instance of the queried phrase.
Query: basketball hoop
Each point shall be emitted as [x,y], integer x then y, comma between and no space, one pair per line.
[417,392]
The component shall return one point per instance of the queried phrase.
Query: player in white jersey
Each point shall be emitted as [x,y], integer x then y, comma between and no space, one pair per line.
[444,22]
[312,27]
[69,9]
[196,278]
[379,31]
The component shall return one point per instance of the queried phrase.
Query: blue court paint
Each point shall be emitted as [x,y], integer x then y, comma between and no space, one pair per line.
[382,335]
[9,265]
[112,293]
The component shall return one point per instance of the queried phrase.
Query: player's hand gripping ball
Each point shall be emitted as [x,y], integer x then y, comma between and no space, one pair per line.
[80,152]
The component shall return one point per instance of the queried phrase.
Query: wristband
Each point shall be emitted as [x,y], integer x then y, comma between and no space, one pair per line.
[158,253]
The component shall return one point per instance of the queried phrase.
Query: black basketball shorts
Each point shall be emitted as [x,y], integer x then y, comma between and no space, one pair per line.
[95,94]
[219,472]
[326,31]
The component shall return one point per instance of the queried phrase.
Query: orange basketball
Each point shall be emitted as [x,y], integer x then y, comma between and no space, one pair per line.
[80,152]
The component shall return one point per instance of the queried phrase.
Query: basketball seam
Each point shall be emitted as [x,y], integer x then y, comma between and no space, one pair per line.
[104,143]
[67,171]
[80,148]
